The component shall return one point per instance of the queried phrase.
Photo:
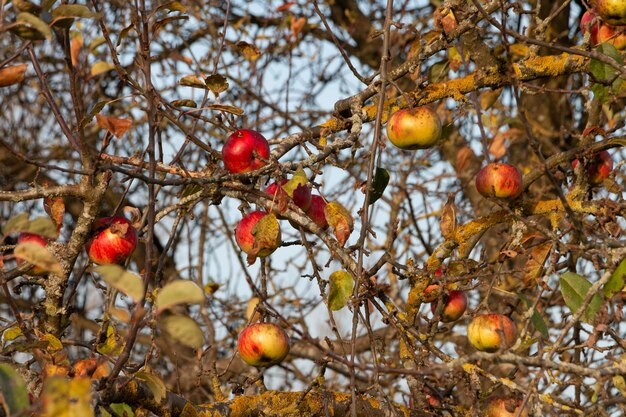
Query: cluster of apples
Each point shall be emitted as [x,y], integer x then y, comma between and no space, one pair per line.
[605,22]
[113,239]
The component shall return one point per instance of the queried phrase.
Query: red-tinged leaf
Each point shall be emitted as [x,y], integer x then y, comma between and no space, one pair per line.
[297,25]
[447,224]
[249,51]
[12,75]
[285,6]
[117,127]
[340,219]
[266,236]
[534,266]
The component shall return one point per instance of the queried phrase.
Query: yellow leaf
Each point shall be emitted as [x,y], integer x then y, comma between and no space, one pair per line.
[340,219]
[100,68]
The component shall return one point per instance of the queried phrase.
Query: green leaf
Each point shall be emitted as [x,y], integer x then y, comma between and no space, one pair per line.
[122,280]
[438,72]
[13,390]
[216,83]
[29,26]
[97,108]
[154,382]
[341,287]
[42,226]
[574,289]
[538,323]
[379,183]
[15,224]
[179,292]
[183,329]
[600,92]
[104,412]
[600,70]
[617,282]
[122,410]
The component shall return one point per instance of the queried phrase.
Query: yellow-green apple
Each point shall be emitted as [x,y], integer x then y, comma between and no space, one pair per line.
[416,128]
[316,211]
[263,344]
[499,180]
[600,32]
[598,168]
[504,407]
[244,151]
[25,237]
[253,241]
[491,332]
[612,12]
[113,240]
[91,368]
[454,305]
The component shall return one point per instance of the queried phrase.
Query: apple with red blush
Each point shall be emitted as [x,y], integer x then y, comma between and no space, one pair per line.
[491,332]
[39,240]
[248,238]
[316,211]
[454,305]
[245,151]
[415,128]
[598,167]
[113,240]
[499,180]
[263,344]
[600,32]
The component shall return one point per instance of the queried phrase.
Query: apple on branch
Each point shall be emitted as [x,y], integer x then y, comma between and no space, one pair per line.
[113,240]
[258,235]
[416,128]
[454,305]
[316,211]
[263,344]
[500,180]
[598,168]
[491,332]
[600,32]
[245,151]
[613,12]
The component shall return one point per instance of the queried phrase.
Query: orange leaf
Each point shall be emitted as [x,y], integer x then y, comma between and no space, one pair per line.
[12,75]
[75,47]
[340,219]
[55,207]
[447,224]
[117,127]
[534,266]
[285,6]
[497,148]
[297,25]
[463,158]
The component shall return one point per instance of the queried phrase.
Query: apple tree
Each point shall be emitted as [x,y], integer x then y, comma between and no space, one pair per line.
[312,208]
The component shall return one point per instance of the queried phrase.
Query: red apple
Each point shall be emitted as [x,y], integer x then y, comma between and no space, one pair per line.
[416,128]
[280,197]
[248,242]
[245,151]
[598,168]
[113,240]
[263,344]
[302,197]
[601,32]
[316,211]
[499,180]
[504,407]
[455,303]
[37,239]
[613,12]
[491,332]
[91,368]
[430,293]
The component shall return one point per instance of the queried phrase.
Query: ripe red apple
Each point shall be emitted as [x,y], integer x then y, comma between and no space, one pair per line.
[245,151]
[455,303]
[416,128]
[613,12]
[430,293]
[37,239]
[499,180]
[504,407]
[491,332]
[598,168]
[263,344]
[113,240]
[246,239]
[316,211]
[601,32]
[91,368]
[301,196]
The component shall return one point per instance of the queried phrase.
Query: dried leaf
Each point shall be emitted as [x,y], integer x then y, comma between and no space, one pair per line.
[297,25]
[267,236]
[463,158]
[55,207]
[184,103]
[534,265]
[249,51]
[173,6]
[216,83]
[115,126]
[74,11]
[12,75]
[489,97]
[340,219]
[447,224]
[192,81]
[497,147]
[285,6]
[226,108]
[341,287]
